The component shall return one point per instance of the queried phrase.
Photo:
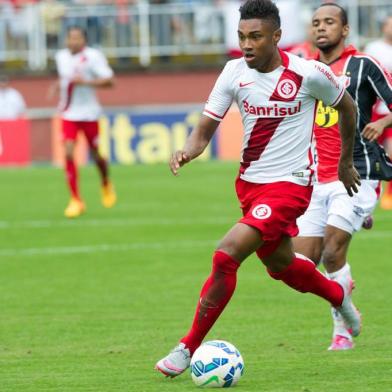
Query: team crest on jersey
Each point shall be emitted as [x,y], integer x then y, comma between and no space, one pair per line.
[262,211]
[287,88]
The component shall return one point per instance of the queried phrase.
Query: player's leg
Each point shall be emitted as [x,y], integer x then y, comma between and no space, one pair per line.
[299,272]
[336,244]
[302,275]
[277,220]
[311,225]
[75,206]
[108,194]
[346,216]
[241,241]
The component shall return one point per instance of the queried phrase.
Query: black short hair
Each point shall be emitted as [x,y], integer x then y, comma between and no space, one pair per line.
[79,28]
[261,9]
[343,12]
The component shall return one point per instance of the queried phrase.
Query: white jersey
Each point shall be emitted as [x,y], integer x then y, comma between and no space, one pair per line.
[277,110]
[80,103]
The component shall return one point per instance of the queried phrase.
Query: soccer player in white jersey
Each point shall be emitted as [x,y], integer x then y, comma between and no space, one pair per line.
[81,70]
[277,95]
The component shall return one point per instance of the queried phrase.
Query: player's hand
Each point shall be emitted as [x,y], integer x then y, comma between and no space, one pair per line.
[178,159]
[350,177]
[372,131]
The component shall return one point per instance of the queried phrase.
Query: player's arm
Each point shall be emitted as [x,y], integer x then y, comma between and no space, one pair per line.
[215,109]
[195,144]
[374,129]
[324,85]
[347,126]
[381,82]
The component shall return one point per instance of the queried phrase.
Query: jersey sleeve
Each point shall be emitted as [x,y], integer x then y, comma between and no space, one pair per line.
[221,96]
[324,85]
[381,81]
[100,66]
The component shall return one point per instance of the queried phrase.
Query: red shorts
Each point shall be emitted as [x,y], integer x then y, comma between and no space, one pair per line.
[273,208]
[387,133]
[89,128]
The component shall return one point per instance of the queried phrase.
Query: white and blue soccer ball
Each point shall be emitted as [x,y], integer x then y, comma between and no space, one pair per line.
[216,364]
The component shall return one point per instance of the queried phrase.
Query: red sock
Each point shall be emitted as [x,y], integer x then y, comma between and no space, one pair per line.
[102,168]
[302,275]
[72,177]
[214,296]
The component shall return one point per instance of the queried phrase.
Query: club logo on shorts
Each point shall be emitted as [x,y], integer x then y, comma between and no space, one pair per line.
[261,211]
[286,88]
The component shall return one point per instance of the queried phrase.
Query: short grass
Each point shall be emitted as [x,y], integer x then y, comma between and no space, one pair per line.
[91,304]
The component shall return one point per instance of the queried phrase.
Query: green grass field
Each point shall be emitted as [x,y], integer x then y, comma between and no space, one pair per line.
[91,304]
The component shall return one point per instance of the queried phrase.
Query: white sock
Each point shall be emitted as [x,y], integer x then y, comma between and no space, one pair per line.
[339,326]
[344,273]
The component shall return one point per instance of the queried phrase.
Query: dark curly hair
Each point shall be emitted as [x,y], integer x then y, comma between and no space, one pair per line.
[261,9]
[343,13]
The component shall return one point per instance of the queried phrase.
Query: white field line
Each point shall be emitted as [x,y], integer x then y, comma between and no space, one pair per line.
[44,224]
[69,250]
[148,221]
[86,249]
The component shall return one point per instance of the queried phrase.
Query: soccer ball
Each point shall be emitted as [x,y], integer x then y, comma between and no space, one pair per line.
[216,364]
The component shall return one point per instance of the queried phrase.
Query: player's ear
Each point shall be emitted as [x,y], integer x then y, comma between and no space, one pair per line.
[346,30]
[276,36]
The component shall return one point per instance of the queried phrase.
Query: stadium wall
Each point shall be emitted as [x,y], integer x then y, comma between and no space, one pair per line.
[146,117]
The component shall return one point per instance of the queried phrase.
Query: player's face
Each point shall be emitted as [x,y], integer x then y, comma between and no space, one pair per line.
[75,40]
[258,40]
[328,30]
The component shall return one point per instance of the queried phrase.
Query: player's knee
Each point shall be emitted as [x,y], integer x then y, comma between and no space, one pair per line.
[332,254]
[68,154]
[229,247]
[94,153]
[224,263]
[69,151]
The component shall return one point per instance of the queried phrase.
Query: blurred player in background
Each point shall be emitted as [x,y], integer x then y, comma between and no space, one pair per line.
[81,70]
[325,230]
[277,95]
[381,50]
[307,48]
[12,104]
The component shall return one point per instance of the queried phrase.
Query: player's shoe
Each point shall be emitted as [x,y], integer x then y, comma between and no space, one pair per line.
[342,339]
[348,311]
[368,222]
[386,201]
[176,362]
[75,208]
[340,343]
[108,195]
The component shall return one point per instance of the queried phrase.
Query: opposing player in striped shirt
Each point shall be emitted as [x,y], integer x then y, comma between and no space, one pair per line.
[332,218]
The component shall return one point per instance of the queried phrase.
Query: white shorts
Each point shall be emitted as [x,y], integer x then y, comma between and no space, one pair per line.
[331,205]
